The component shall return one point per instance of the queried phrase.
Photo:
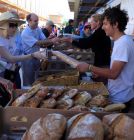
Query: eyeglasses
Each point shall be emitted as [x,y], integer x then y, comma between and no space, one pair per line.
[12,25]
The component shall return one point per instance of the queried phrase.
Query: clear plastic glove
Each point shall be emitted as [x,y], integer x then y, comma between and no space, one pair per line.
[40,55]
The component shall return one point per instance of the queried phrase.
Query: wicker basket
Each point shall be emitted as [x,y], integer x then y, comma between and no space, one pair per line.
[67,78]
[95,87]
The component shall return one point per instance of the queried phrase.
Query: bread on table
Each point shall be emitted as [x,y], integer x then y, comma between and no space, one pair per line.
[64,104]
[48,103]
[82,98]
[85,126]
[118,127]
[98,100]
[50,127]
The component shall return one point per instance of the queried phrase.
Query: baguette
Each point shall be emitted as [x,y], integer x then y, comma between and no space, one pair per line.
[114,107]
[66,59]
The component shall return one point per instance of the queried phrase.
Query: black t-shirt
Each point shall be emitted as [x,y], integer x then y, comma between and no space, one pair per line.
[45,32]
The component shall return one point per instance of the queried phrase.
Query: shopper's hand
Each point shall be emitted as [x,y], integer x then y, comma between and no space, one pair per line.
[55,40]
[51,36]
[7,84]
[83,67]
[40,55]
[66,39]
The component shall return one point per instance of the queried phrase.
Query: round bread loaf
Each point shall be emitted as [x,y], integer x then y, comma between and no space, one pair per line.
[85,126]
[50,127]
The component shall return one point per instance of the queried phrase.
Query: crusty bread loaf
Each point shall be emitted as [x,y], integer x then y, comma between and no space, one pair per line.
[119,127]
[114,107]
[64,104]
[98,100]
[20,100]
[82,98]
[72,92]
[32,102]
[85,126]
[50,127]
[48,103]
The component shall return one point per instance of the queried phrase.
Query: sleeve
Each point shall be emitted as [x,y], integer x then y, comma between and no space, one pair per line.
[122,53]
[84,43]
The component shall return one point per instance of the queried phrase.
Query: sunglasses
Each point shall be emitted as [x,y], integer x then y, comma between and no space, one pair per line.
[12,25]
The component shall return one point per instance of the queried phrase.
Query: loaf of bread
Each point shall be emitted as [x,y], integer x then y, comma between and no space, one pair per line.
[98,100]
[118,127]
[50,127]
[114,107]
[66,59]
[82,98]
[85,126]
[32,102]
[48,103]
[72,92]
[56,93]
[20,100]
[42,93]
[64,104]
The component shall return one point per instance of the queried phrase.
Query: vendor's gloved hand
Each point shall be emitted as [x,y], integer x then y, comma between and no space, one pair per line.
[39,55]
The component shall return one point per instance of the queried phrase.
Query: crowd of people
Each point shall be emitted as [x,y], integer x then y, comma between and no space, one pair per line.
[114,63]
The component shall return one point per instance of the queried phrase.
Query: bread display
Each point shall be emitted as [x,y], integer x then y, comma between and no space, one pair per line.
[68,99]
[85,126]
[67,78]
[50,127]
[118,127]
[82,126]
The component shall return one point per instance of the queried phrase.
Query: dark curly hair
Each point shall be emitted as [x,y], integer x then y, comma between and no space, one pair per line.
[115,15]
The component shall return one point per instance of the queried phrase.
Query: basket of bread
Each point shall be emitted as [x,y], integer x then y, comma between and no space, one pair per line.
[66,98]
[66,78]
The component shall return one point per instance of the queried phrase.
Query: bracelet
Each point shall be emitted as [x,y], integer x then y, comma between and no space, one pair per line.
[90,68]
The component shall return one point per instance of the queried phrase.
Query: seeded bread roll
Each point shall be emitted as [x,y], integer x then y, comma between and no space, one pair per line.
[50,127]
